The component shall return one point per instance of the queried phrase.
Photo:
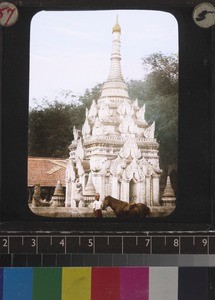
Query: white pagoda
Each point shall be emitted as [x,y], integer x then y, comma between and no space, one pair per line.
[116,152]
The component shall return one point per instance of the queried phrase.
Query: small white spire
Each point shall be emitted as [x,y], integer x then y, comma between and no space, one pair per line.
[115,68]
[115,86]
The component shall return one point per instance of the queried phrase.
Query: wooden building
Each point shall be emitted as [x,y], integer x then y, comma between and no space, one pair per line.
[45,171]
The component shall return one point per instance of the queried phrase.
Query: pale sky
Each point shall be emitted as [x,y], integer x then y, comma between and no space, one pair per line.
[71,50]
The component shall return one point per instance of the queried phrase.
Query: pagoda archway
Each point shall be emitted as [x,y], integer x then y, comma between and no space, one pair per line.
[133,193]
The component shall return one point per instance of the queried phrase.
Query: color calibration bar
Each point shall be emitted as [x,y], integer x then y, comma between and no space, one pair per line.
[146,283]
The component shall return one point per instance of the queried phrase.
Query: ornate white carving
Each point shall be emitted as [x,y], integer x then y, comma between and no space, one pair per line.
[131,149]
[99,128]
[104,111]
[132,126]
[150,131]
[79,167]
[79,152]
[117,166]
[155,163]
[140,114]
[125,108]
[135,104]
[75,133]
[133,171]
[70,172]
[123,127]
[97,164]
[86,129]
[93,110]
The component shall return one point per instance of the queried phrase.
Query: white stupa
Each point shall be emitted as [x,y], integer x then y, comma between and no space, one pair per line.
[116,152]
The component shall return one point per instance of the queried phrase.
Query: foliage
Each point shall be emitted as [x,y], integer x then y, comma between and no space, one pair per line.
[159,92]
[51,123]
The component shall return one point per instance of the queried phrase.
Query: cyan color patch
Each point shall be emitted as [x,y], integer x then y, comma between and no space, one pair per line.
[17,283]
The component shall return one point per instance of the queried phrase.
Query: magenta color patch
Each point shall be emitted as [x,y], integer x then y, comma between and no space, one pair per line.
[134,283]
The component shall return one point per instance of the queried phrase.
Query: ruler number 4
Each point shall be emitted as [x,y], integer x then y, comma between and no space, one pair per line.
[62,243]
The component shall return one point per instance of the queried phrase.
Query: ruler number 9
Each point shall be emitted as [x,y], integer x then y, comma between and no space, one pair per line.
[204,242]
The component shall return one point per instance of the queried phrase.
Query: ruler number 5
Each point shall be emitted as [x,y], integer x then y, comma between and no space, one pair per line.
[90,243]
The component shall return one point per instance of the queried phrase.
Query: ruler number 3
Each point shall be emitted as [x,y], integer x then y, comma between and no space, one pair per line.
[33,243]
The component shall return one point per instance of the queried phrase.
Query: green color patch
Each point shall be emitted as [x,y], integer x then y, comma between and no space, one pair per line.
[47,283]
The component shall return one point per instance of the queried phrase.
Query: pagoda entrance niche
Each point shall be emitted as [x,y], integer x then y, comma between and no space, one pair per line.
[133,192]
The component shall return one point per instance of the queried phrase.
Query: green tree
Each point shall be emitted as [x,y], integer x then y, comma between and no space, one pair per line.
[51,123]
[159,92]
[50,130]
[90,95]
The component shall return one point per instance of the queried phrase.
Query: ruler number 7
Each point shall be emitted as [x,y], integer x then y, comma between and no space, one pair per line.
[147,242]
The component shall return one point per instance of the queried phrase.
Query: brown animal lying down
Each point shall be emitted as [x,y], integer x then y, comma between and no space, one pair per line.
[123,209]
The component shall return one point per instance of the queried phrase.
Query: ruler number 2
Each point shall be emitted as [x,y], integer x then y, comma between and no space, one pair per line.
[5,242]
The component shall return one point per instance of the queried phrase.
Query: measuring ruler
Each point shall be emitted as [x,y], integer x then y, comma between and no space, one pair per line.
[31,249]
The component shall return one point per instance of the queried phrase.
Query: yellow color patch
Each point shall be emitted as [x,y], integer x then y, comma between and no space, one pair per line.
[76,284]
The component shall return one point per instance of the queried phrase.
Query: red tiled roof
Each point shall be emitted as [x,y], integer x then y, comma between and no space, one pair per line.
[46,171]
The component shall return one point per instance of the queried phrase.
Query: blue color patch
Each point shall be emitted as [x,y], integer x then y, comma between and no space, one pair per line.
[17,283]
[1,284]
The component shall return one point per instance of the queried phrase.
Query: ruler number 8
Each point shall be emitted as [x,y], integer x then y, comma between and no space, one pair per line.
[176,242]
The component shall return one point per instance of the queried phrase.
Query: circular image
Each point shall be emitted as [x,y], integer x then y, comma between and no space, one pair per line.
[8,14]
[204,15]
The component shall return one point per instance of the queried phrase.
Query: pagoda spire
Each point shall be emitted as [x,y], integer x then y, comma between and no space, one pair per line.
[115,73]
[115,85]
